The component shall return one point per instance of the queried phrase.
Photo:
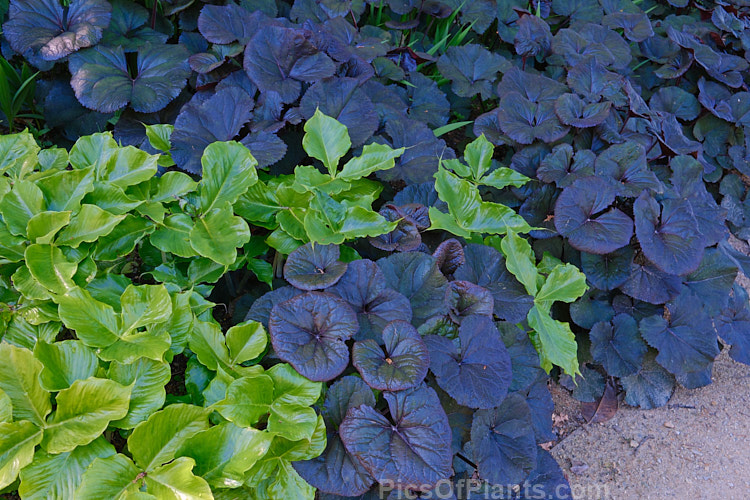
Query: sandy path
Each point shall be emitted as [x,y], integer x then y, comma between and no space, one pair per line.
[697,447]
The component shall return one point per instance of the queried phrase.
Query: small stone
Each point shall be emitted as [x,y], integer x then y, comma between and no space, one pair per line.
[633,443]
[579,467]
[668,424]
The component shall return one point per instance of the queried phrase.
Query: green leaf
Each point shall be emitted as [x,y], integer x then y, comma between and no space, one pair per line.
[89,224]
[148,378]
[247,399]
[11,247]
[83,412]
[446,222]
[150,344]
[246,341]
[228,171]
[63,191]
[470,212]
[565,283]
[155,441]
[128,166]
[450,127]
[273,475]
[58,476]
[259,205]
[6,407]
[282,242]
[19,379]
[309,179]
[43,227]
[176,481]
[225,452]
[53,158]
[218,234]
[18,206]
[18,154]
[145,305]
[520,260]
[123,238]
[174,236]
[293,422]
[64,363]
[554,341]
[171,186]
[291,387]
[207,342]
[159,135]
[326,139]
[93,150]
[478,155]
[114,477]
[262,270]
[374,157]
[94,322]
[503,177]
[359,223]
[112,199]
[17,442]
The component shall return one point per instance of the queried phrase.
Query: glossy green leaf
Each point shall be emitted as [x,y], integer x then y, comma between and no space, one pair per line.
[92,150]
[64,190]
[53,158]
[43,227]
[155,441]
[17,442]
[207,342]
[565,283]
[158,135]
[94,322]
[478,155]
[247,399]
[326,139]
[18,154]
[520,260]
[291,387]
[374,157]
[58,476]
[228,171]
[503,177]
[246,341]
[18,206]
[225,452]
[83,412]
[259,205]
[64,363]
[112,199]
[114,477]
[89,224]
[176,481]
[174,236]
[6,407]
[218,234]
[11,247]
[171,186]
[19,379]
[128,166]
[148,378]
[468,210]
[123,238]
[144,305]
[150,344]
[554,341]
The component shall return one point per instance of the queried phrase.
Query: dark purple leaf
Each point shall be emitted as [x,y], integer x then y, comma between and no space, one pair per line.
[472,69]
[279,59]
[624,167]
[363,287]
[607,271]
[412,450]
[579,217]
[475,368]
[465,299]
[449,255]
[309,331]
[314,267]
[503,442]
[47,29]
[618,346]
[128,27]
[572,110]
[533,37]
[524,121]
[635,25]
[400,364]
[649,284]
[102,81]
[260,311]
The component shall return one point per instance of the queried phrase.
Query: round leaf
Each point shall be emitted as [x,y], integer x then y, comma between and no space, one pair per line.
[314,267]
[404,363]
[475,369]
[310,330]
